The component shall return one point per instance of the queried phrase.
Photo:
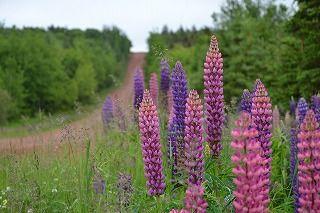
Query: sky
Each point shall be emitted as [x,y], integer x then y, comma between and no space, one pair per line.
[135,17]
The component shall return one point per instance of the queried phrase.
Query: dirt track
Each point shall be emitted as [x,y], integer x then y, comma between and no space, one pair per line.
[91,124]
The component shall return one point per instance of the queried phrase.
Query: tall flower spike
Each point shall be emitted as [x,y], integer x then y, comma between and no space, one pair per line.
[213,96]
[180,94]
[153,84]
[250,193]
[293,107]
[194,201]
[309,164]
[193,139]
[151,147]
[275,118]
[302,109]
[293,164]
[262,121]
[165,76]
[245,103]
[138,88]
[107,111]
[170,104]
[315,106]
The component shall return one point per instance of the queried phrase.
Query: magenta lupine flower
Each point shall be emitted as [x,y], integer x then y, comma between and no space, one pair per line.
[193,139]
[180,94]
[151,147]
[165,76]
[138,88]
[275,118]
[245,103]
[315,106]
[194,200]
[153,84]
[309,164]
[213,96]
[107,111]
[250,193]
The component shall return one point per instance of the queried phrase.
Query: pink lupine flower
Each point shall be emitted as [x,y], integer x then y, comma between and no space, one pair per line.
[153,84]
[275,118]
[194,200]
[213,96]
[179,211]
[309,164]
[261,113]
[250,193]
[193,139]
[151,146]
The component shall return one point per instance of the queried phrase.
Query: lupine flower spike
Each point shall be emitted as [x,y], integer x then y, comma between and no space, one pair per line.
[165,76]
[302,108]
[193,139]
[275,118]
[250,193]
[213,96]
[151,147]
[293,164]
[194,201]
[153,84]
[138,88]
[315,106]
[293,107]
[262,120]
[309,164]
[245,103]
[107,111]
[180,94]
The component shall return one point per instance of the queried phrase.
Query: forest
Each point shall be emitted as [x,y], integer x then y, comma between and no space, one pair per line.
[259,39]
[50,70]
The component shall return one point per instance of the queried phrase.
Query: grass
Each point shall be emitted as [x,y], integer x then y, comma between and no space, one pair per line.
[62,180]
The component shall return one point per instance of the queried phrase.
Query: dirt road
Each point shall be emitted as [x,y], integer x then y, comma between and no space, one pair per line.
[91,124]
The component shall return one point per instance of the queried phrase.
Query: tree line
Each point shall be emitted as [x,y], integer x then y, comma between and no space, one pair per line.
[258,39]
[52,69]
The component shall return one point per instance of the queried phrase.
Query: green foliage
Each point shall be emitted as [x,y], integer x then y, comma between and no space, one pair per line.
[50,70]
[255,42]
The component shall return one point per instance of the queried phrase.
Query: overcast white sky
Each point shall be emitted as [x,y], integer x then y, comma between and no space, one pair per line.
[135,17]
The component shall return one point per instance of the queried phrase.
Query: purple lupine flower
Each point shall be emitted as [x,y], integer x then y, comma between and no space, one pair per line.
[302,109]
[293,107]
[309,164]
[165,76]
[213,96]
[151,146]
[153,84]
[262,120]
[250,194]
[138,88]
[315,106]
[245,103]
[193,139]
[194,200]
[107,111]
[180,94]
[293,165]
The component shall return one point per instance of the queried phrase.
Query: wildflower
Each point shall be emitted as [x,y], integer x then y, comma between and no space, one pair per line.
[125,189]
[293,107]
[275,118]
[138,88]
[194,201]
[293,164]
[180,94]
[245,103]
[165,76]
[315,106]
[250,193]
[193,139]
[309,164]
[54,190]
[151,146]
[302,109]
[213,96]
[107,111]
[153,84]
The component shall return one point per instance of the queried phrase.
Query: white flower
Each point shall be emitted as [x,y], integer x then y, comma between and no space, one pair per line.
[54,190]
[8,188]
